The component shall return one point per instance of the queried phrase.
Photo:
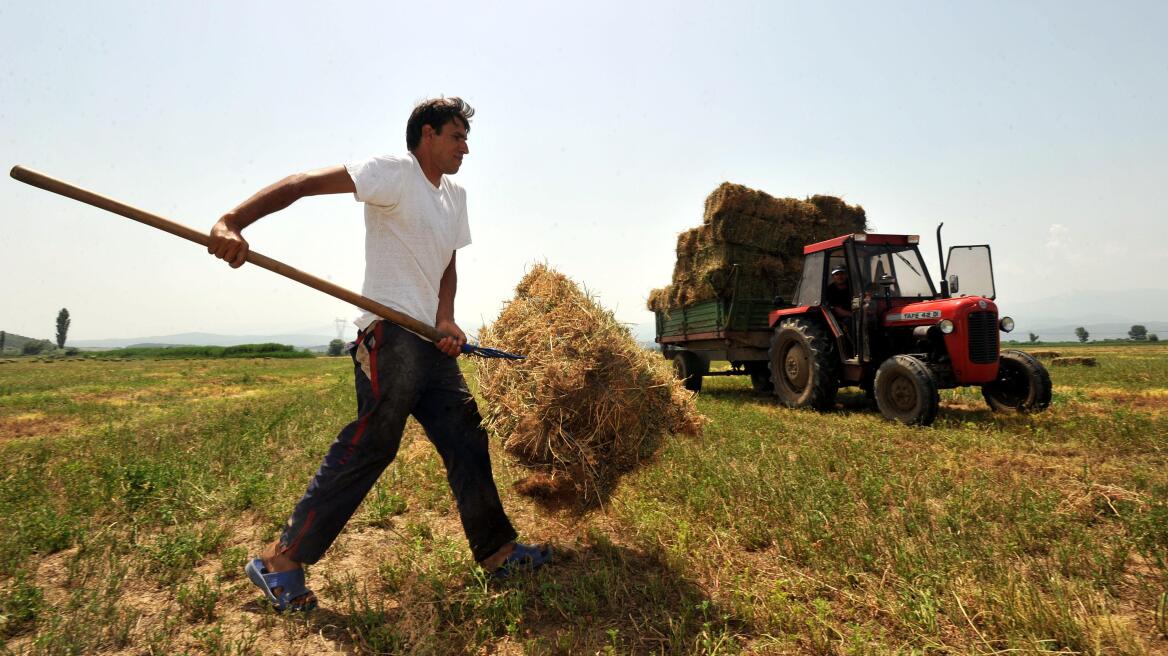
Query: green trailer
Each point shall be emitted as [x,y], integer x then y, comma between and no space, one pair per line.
[734,330]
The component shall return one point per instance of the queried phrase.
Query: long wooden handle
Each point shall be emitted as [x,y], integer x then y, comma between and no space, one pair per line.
[47,183]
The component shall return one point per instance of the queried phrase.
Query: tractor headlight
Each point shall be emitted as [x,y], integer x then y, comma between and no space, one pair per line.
[1007,324]
[946,326]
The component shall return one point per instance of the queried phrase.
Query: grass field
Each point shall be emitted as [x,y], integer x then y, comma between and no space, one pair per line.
[132,492]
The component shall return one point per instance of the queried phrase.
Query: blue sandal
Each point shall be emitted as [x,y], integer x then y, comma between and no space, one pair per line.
[524,557]
[291,581]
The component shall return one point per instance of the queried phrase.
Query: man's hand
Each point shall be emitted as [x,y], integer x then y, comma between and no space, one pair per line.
[228,244]
[452,343]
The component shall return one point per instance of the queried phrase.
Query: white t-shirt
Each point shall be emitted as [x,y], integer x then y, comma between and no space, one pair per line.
[412,229]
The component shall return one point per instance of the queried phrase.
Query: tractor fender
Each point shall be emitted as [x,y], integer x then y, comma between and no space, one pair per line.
[815,312]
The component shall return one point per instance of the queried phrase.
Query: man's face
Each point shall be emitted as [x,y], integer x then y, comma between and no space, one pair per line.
[446,148]
[839,279]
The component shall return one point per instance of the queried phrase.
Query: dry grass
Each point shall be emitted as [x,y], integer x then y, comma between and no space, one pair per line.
[588,404]
[779,531]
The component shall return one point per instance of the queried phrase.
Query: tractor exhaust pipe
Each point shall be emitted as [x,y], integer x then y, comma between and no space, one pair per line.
[941,258]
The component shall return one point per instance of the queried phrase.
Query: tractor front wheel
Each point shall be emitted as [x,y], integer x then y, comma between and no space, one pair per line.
[1022,385]
[906,391]
[689,368]
[804,366]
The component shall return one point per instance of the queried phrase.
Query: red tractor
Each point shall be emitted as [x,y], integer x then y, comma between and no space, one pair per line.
[887,330]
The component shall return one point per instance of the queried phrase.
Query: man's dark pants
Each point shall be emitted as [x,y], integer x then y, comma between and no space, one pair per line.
[406,376]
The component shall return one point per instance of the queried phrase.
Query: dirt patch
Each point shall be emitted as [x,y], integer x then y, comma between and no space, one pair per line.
[34,424]
[1026,465]
[1145,402]
[216,390]
[117,398]
[1154,400]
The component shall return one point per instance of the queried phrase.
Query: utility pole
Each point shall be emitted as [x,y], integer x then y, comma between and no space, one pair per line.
[341,323]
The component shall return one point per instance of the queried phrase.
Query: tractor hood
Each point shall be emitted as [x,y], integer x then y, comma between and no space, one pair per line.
[925,313]
[968,326]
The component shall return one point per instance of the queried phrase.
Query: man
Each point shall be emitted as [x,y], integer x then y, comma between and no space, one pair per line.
[415,220]
[839,295]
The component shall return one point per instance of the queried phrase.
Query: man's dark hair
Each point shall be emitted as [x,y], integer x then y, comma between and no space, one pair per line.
[436,113]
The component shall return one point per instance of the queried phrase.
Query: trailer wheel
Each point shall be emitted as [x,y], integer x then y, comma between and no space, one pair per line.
[689,369]
[804,366]
[1022,385]
[906,391]
[760,377]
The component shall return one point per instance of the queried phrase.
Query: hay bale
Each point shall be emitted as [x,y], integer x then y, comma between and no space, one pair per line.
[588,404]
[1082,361]
[1045,355]
[751,242]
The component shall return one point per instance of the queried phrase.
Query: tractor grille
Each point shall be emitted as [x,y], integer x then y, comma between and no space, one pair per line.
[983,337]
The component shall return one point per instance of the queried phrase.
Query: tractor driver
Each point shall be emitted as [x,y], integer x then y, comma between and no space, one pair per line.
[839,295]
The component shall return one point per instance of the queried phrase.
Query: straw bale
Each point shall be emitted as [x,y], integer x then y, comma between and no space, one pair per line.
[688,241]
[588,403]
[661,299]
[1082,360]
[752,243]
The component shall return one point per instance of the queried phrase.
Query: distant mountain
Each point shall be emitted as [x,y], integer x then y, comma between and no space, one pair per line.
[1105,314]
[204,339]
[13,343]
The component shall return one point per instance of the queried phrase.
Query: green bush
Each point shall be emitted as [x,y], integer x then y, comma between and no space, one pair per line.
[34,347]
[240,351]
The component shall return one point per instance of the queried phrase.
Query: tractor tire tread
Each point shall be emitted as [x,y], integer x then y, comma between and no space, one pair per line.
[1038,397]
[823,383]
[925,387]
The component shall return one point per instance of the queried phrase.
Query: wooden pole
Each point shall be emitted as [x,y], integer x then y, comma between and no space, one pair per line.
[37,179]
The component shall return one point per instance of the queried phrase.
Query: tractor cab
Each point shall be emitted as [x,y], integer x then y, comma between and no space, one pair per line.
[866,313]
[856,282]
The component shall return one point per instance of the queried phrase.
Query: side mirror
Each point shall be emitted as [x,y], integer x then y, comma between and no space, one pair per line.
[953,289]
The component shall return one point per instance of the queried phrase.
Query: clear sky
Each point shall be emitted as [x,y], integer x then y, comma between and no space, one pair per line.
[1037,127]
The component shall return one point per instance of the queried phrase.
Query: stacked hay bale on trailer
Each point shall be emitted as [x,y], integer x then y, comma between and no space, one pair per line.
[729,271]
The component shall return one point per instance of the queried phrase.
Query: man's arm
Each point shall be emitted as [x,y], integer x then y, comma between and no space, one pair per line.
[226,241]
[444,320]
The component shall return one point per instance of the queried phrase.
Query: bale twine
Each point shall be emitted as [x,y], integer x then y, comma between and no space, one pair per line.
[751,242]
[1082,361]
[588,404]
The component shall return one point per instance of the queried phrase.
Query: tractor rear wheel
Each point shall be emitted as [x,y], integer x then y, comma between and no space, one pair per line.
[906,391]
[1022,385]
[689,368]
[804,365]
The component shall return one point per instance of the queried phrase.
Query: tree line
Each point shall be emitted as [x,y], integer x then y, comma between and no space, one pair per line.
[1137,333]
